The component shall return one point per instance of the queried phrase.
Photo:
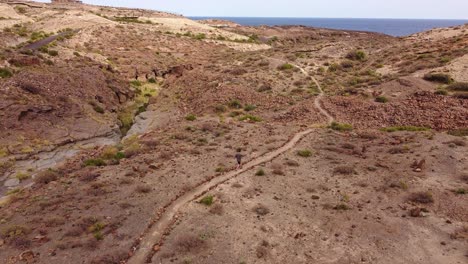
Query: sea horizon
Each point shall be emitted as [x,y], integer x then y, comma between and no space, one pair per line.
[397,27]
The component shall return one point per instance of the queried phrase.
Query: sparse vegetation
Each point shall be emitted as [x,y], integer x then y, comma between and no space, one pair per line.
[235,104]
[94,163]
[190,117]
[5,73]
[261,210]
[260,172]
[341,127]
[250,107]
[207,200]
[381,99]
[439,78]
[462,132]
[344,170]
[47,176]
[304,153]
[421,197]
[356,55]
[404,128]
[285,67]
[250,118]
[459,87]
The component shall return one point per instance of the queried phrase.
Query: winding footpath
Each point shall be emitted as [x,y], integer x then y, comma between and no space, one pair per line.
[151,242]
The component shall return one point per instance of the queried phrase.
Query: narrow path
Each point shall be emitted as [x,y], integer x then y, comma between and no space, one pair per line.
[46,41]
[154,238]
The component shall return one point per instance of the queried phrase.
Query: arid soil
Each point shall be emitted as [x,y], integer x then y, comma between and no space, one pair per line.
[117,141]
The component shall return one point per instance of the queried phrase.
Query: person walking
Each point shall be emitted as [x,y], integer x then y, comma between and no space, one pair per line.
[238,157]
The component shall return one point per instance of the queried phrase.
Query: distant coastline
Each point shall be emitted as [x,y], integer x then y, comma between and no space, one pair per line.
[393,27]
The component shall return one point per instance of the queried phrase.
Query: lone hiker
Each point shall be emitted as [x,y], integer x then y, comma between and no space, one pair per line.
[239,160]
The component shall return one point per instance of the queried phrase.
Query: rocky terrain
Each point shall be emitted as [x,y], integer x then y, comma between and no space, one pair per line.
[119,127]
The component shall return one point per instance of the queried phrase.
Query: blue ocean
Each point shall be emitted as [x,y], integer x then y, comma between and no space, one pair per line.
[393,27]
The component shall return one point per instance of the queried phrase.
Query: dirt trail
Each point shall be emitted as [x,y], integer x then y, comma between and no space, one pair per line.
[155,236]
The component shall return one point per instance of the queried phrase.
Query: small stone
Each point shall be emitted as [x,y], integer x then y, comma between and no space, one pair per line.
[156,248]
[2,242]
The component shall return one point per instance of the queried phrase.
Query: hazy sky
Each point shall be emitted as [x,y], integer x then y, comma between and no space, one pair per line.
[451,9]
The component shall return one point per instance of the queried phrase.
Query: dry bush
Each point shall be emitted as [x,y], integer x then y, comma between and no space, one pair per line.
[217,209]
[292,163]
[368,135]
[261,252]
[54,221]
[277,169]
[464,177]
[112,258]
[47,176]
[190,243]
[348,146]
[344,170]
[151,143]
[461,233]
[165,155]
[87,175]
[109,152]
[421,197]
[133,150]
[75,231]
[237,185]
[397,150]
[143,189]
[261,210]
[458,142]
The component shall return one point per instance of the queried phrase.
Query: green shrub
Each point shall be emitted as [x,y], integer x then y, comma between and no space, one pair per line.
[357,55]
[260,172]
[250,118]
[459,87]
[404,128]
[285,66]
[98,109]
[207,200]
[438,77]
[119,155]
[22,176]
[135,83]
[200,36]
[461,191]
[77,54]
[381,99]
[191,117]
[5,73]
[304,153]
[334,67]
[249,108]
[94,163]
[341,127]
[235,104]
[52,53]
[152,80]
